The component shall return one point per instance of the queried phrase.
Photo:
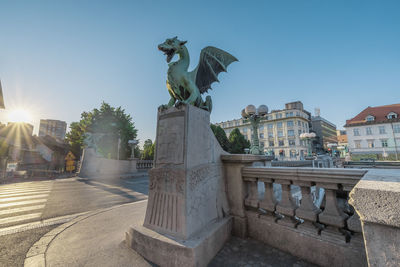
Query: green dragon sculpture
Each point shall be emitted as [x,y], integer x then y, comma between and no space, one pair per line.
[187,87]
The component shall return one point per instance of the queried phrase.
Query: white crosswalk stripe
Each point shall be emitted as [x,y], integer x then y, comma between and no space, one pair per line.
[22,202]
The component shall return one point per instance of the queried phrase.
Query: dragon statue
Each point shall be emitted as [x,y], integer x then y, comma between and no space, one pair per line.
[187,87]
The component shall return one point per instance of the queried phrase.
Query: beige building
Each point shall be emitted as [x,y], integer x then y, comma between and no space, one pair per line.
[54,128]
[279,132]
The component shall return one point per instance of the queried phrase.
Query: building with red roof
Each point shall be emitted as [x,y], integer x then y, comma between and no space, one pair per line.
[375,131]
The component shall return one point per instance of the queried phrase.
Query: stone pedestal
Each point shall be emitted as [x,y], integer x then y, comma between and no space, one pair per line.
[187,204]
[376,199]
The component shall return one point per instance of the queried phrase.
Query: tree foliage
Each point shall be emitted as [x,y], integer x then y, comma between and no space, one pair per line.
[237,142]
[221,137]
[112,123]
[148,150]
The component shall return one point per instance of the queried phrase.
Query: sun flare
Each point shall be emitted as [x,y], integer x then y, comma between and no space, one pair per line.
[19,115]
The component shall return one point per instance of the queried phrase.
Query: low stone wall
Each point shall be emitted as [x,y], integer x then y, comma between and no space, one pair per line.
[94,166]
[372,164]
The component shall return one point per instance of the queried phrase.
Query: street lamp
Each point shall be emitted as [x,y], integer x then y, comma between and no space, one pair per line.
[253,115]
[308,137]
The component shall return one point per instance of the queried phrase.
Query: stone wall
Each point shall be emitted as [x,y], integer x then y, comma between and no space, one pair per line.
[93,165]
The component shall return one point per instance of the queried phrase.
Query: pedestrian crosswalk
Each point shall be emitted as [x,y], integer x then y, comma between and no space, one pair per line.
[23,202]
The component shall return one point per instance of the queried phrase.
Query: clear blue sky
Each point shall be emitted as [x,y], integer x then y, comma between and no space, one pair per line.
[59,58]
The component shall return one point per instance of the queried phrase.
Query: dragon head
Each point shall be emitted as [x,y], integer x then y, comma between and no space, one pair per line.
[171,46]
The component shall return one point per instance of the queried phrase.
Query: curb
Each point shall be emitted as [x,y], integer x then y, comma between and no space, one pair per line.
[36,256]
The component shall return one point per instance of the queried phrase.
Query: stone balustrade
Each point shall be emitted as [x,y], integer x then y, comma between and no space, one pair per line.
[336,218]
[142,164]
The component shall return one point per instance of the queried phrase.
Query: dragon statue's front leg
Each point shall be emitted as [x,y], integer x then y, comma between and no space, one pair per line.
[194,94]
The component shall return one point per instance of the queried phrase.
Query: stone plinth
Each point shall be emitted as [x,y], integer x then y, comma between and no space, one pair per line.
[186,191]
[376,199]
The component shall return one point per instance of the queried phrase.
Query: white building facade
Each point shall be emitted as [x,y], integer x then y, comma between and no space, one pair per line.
[376,130]
[279,132]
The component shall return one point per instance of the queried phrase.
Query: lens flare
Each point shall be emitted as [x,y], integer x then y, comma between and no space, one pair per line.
[19,115]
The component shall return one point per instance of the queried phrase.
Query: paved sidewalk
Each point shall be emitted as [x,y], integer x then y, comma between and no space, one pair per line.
[97,239]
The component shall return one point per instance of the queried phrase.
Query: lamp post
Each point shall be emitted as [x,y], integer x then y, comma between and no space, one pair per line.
[308,137]
[253,115]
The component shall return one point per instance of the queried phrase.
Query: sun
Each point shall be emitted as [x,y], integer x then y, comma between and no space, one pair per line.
[19,115]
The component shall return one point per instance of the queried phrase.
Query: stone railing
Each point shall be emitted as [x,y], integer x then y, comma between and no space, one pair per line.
[372,164]
[333,217]
[311,213]
[309,228]
[143,164]
[292,163]
[303,211]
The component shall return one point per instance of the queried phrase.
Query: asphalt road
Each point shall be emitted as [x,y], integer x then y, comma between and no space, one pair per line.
[27,202]
[27,205]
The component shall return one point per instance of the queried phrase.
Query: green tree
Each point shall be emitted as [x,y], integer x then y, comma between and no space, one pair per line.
[113,124]
[148,150]
[221,137]
[237,142]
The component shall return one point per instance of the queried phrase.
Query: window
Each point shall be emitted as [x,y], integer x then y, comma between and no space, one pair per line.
[262,128]
[270,126]
[300,132]
[302,123]
[384,142]
[290,132]
[392,115]
[370,143]
[370,118]
[270,134]
[292,142]
[290,124]
[299,123]
[279,115]
[280,133]
[289,114]
[261,135]
[396,128]
[261,144]
[357,143]
[297,113]
[293,153]
[271,143]
[356,132]
[281,143]
[245,130]
[368,130]
[237,123]
[382,130]
[279,124]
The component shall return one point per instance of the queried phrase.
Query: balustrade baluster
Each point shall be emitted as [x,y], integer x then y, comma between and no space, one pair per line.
[268,203]
[333,216]
[307,209]
[286,206]
[252,193]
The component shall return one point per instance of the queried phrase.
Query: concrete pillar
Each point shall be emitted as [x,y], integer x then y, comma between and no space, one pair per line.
[236,189]
[376,199]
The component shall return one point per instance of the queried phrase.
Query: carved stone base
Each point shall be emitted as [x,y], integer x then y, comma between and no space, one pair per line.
[197,251]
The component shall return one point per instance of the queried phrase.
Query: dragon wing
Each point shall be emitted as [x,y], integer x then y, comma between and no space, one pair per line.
[212,61]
